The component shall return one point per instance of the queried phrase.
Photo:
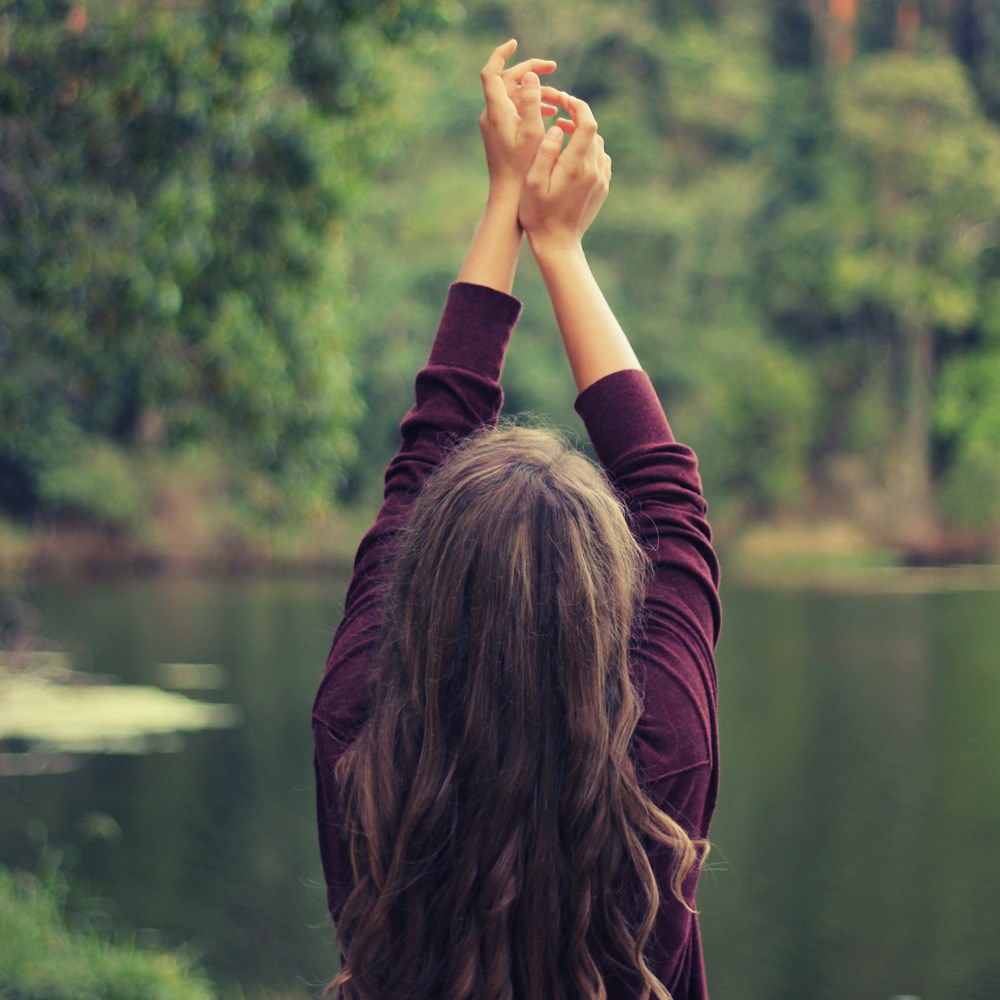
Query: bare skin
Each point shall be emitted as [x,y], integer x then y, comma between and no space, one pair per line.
[553,194]
[512,128]
[563,192]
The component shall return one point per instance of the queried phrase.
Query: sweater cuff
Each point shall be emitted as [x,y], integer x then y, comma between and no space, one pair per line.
[475,329]
[621,412]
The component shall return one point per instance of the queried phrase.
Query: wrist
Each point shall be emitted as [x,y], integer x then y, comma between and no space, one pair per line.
[553,246]
[504,197]
[492,257]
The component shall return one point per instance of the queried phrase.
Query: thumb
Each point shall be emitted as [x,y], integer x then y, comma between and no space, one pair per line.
[545,158]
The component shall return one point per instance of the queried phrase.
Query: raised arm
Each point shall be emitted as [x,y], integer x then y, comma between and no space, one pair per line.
[511,127]
[458,391]
[470,341]
[658,478]
[563,193]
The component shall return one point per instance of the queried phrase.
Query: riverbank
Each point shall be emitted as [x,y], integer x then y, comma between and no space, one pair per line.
[143,512]
[71,548]
[218,543]
[836,555]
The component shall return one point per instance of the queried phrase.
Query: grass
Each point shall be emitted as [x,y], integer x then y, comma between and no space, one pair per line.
[42,959]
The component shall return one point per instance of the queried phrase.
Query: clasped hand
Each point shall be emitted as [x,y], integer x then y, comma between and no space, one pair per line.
[558,192]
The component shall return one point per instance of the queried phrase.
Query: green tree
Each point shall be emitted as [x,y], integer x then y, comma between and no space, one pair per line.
[778,225]
[680,100]
[172,257]
[968,418]
[919,175]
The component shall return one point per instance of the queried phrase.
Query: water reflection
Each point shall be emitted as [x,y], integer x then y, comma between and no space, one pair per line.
[61,713]
[53,715]
[848,799]
[218,846]
[855,843]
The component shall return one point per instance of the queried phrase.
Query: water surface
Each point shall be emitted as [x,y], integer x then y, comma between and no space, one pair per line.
[855,845]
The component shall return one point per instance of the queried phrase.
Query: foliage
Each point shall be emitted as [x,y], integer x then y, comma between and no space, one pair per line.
[801,240]
[41,959]
[927,173]
[968,417]
[921,175]
[95,477]
[172,266]
[799,250]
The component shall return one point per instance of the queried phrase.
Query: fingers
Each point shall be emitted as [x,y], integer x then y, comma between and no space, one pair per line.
[528,102]
[549,107]
[491,74]
[523,87]
[528,97]
[560,97]
[540,174]
[603,158]
[585,127]
[514,74]
[517,102]
[498,57]
[530,92]
[582,118]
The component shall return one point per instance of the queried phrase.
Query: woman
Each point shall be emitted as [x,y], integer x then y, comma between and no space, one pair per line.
[516,731]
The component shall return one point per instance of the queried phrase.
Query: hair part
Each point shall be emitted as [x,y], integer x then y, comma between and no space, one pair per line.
[492,806]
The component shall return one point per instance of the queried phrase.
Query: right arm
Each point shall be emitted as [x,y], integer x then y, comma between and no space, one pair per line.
[563,193]
[673,666]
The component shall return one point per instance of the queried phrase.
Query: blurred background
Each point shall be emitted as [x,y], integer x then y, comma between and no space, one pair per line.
[226,232]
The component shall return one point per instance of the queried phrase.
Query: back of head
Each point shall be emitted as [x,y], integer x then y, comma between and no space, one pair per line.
[494,810]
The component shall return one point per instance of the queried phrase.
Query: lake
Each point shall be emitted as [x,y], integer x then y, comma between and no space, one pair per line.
[856,848]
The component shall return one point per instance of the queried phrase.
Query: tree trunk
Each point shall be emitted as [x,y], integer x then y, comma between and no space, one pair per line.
[912,517]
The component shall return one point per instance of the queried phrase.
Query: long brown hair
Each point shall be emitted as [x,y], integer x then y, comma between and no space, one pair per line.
[496,823]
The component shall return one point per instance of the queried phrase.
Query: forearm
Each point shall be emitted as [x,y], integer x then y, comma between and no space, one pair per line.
[491,259]
[595,343]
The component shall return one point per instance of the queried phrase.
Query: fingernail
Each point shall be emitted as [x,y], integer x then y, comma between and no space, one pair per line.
[554,133]
[530,80]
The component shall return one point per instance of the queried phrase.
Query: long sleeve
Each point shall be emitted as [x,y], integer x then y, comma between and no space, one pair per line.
[457,393]
[675,744]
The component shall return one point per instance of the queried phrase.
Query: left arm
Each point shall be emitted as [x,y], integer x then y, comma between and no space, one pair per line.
[492,256]
[511,127]
[458,391]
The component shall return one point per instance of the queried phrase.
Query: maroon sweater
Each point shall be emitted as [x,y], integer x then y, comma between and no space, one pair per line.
[675,745]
